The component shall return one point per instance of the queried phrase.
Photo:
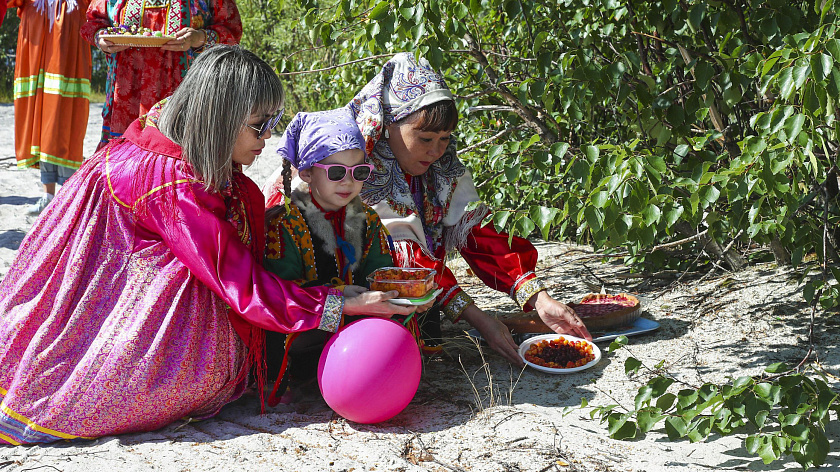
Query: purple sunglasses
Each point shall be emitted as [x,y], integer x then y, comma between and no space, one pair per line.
[267,125]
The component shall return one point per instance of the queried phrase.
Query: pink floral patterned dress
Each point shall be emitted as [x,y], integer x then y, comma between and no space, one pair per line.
[133,300]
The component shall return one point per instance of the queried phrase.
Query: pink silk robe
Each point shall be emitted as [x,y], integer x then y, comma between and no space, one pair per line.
[114,316]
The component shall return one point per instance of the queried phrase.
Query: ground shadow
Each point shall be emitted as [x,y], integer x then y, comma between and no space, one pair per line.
[11,239]
[17,200]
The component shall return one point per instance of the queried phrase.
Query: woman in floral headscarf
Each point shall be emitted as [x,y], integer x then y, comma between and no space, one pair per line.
[421,191]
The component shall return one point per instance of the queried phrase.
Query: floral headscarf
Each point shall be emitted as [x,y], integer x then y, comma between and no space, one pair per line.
[312,137]
[403,86]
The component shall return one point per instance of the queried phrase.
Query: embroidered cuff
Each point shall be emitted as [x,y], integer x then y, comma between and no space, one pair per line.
[527,290]
[333,307]
[211,37]
[452,310]
[526,276]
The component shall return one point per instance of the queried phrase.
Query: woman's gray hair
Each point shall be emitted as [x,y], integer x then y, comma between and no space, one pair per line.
[224,86]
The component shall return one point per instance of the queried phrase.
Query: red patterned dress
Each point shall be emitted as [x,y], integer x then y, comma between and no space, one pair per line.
[140,77]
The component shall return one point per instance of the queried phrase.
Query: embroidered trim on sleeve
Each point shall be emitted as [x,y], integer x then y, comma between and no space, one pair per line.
[527,290]
[333,307]
[526,275]
[460,301]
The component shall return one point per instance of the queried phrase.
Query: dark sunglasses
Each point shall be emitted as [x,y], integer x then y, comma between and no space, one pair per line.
[336,172]
[267,125]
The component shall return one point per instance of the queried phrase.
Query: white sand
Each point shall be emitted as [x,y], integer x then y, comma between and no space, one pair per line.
[461,419]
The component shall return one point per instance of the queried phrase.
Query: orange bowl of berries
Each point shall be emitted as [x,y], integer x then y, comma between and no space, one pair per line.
[559,353]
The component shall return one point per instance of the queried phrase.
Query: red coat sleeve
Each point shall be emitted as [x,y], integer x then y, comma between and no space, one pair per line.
[226,25]
[97,18]
[506,267]
[209,246]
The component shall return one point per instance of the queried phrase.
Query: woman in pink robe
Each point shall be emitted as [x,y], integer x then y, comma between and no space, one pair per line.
[136,298]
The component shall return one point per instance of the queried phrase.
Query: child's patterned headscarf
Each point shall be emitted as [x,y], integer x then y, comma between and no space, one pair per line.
[312,137]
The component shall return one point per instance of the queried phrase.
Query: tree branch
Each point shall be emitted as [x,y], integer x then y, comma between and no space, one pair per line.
[680,242]
[489,108]
[315,71]
[496,136]
[524,112]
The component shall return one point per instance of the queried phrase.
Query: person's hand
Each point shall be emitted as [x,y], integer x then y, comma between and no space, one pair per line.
[558,316]
[375,303]
[353,290]
[494,332]
[185,39]
[108,47]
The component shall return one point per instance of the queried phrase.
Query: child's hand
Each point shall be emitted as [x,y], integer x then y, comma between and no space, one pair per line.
[374,303]
[353,290]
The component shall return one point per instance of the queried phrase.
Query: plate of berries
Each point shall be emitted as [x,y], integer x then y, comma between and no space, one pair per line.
[135,36]
[559,353]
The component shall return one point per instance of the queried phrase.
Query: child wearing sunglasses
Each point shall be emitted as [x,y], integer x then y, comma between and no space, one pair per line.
[319,232]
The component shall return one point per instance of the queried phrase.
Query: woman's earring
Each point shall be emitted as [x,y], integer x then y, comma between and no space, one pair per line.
[387,134]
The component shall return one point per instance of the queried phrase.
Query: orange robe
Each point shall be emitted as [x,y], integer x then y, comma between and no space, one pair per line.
[52,87]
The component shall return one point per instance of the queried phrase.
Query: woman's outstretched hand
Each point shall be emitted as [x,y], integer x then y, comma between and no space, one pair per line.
[558,316]
[494,332]
[360,301]
[186,39]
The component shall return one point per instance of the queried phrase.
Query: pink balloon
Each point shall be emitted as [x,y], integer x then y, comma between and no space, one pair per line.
[370,370]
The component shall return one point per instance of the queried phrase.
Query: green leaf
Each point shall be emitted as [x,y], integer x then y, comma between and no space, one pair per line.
[524,226]
[820,66]
[833,48]
[784,80]
[591,152]
[495,151]
[700,429]
[776,368]
[703,72]
[380,11]
[666,401]
[619,427]
[647,418]
[643,397]
[599,199]
[675,427]
[512,172]
[543,217]
[559,149]
[617,344]
[789,420]
[500,219]
[461,11]
[687,397]
[767,452]
[632,365]
[800,74]
[798,432]
[742,382]
[752,443]
[539,40]
[695,17]
[651,214]
[793,126]
[594,218]
[407,12]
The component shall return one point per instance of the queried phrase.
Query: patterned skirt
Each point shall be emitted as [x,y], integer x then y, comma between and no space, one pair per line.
[104,331]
